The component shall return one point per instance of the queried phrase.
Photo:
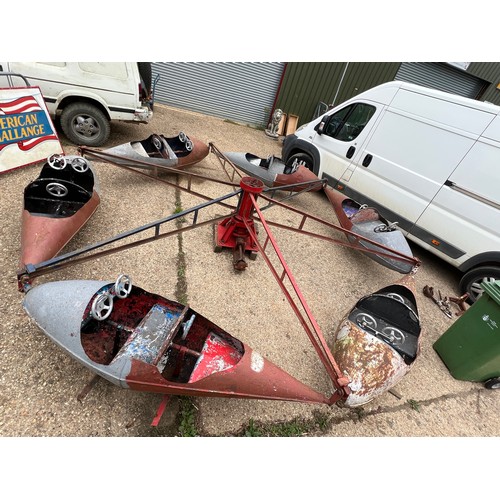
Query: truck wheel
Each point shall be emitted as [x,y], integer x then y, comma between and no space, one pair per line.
[301,157]
[85,124]
[492,383]
[471,281]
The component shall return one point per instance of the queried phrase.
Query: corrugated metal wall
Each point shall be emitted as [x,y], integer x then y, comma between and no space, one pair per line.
[441,76]
[246,92]
[240,91]
[306,84]
[489,71]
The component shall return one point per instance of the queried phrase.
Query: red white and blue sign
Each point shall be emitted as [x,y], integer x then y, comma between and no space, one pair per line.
[27,134]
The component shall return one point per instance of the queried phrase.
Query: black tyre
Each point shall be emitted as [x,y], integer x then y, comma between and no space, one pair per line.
[471,281]
[492,383]
[85,124]
[301,157]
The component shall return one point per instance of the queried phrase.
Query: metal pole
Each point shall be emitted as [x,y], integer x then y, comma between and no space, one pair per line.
[340,84]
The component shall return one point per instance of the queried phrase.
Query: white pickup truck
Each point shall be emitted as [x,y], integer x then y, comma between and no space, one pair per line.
[86,96]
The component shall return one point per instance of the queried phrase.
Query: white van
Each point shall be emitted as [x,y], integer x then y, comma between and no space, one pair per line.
[85,96]
[427,159]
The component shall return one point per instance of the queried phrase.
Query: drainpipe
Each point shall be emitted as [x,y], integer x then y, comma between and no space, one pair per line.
[340,84]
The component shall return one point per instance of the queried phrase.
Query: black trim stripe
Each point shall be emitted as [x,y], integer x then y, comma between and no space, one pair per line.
[122,110]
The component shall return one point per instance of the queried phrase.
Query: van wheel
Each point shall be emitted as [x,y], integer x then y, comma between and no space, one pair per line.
[471,281]
[301,157]
[85,124]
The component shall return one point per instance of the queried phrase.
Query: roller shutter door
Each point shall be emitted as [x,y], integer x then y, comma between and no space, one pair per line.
[441,76]
[239,91]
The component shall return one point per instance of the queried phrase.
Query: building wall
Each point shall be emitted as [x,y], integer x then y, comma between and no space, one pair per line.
[240,91]
[305,84]
[489,71]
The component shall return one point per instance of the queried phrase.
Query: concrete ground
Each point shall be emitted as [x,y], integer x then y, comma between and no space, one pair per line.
[39,382]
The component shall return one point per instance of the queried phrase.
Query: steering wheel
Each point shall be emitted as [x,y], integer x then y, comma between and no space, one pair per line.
[366,320]
[57,162]
[123,286]
[102,306]
[394,335]
[157,142]
[56,189]
[182,137]
[79,164]
[396,296]
[189,145]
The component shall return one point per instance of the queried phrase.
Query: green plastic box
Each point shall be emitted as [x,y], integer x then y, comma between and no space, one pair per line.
[470,348]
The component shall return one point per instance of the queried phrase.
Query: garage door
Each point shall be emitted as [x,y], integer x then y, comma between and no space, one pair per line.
[441,76]
[239,91]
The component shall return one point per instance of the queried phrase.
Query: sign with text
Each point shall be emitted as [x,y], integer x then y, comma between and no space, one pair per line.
[27,134]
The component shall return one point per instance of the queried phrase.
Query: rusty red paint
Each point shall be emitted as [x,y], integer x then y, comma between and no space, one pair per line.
[55,206]
[216,357]
[206,361]
[302,174]
[238,231]
[242,380]
[44,237]
[299,305]
[210,362]
[161,409]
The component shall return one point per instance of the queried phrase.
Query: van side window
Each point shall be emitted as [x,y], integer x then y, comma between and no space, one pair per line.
[348,123]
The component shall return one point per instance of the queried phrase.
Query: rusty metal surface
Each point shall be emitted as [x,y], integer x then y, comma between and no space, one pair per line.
[205,361]
[27,273]
[171,152]
[372,362]
[273,171]
[40,382]
[301,309]
[44,237]
[368,223]
[253,377]
[238,232]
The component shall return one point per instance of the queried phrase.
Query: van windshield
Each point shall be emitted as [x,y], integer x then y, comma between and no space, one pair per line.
[348,123]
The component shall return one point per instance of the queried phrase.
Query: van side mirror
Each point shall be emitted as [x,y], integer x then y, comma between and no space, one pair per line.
[320,127]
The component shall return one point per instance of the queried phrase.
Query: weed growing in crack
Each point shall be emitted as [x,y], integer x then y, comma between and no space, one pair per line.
[187,418]
[414,405]
[292,428]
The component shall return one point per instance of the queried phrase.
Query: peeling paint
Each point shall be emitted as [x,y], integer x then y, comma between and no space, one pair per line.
[256,362]
[374,363]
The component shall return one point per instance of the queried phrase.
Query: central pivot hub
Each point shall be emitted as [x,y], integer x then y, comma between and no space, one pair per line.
[236,231]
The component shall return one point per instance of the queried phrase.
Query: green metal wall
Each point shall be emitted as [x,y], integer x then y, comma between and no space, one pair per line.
[489,71]
[305,84]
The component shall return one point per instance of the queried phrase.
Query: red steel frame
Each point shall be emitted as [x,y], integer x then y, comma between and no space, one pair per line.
[238,232]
